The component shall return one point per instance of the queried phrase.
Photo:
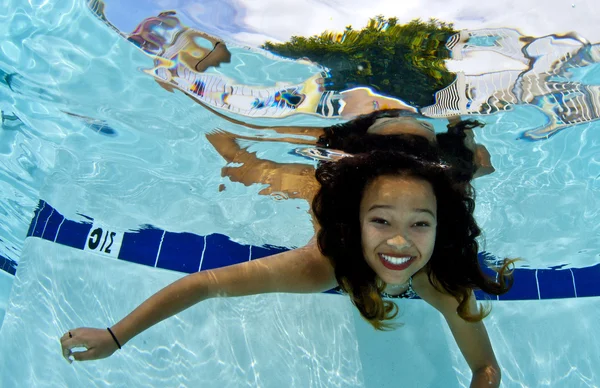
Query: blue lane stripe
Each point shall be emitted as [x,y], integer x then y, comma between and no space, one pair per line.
[587,280]
[188,253]
[220,252]
[141,246]
[524,287]
[41,220]
[8,265]
[72,234]
[181,252]
[51,229]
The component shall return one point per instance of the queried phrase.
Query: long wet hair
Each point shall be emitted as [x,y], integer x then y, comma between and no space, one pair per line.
[352,137]
[453,268]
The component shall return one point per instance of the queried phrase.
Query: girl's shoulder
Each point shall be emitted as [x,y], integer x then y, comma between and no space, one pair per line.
[441,300]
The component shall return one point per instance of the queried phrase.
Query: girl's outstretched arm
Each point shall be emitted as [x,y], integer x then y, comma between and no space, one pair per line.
[302,270]
[471,337]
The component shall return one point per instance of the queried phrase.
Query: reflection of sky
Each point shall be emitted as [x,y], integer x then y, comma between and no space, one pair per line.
[252,21]
[218,17]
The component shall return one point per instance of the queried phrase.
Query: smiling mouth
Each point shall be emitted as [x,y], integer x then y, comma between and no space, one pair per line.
[396,263]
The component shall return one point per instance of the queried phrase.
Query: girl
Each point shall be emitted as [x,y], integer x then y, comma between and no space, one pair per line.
[391,224]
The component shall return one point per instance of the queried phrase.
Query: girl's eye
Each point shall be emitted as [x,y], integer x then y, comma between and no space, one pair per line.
[422,224]
[380,221]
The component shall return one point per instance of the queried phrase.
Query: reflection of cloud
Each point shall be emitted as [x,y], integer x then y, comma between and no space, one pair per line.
[251,39]
[167,4]
[220,17]
[484,62]
[281,19]
[248,21]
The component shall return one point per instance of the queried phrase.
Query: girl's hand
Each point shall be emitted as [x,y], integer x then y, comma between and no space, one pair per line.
[97,342]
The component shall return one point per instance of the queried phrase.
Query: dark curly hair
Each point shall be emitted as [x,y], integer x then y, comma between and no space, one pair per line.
[352,137]
[453,268]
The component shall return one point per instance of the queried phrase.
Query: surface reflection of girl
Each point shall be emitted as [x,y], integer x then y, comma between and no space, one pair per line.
[381,130]
[164,37]
[182,56]
[390,225]
[169,42]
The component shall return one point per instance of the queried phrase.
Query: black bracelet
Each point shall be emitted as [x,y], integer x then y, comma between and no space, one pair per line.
[114,337]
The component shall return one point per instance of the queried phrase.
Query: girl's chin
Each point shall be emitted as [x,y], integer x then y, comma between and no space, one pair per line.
[394,281]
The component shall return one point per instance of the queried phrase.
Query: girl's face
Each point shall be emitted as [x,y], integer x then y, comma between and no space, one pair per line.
[398,218]
[402,125]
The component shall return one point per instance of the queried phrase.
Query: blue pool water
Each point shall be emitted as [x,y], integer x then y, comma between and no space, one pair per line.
[132,159]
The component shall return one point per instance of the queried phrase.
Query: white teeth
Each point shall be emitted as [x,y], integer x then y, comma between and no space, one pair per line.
[396,260]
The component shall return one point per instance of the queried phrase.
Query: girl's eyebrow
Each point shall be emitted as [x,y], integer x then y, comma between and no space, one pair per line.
[374,207]
[425,211]
[417,210]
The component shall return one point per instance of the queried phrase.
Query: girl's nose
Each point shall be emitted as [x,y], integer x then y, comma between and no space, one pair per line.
[399,241]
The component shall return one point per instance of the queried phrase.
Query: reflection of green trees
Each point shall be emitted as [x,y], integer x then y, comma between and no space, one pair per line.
[402,60]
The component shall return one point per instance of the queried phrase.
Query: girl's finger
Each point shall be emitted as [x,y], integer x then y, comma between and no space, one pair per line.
[66,354]
[83,356]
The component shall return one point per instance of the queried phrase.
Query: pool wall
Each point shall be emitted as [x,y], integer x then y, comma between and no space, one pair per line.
[270,340]
[266,340]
